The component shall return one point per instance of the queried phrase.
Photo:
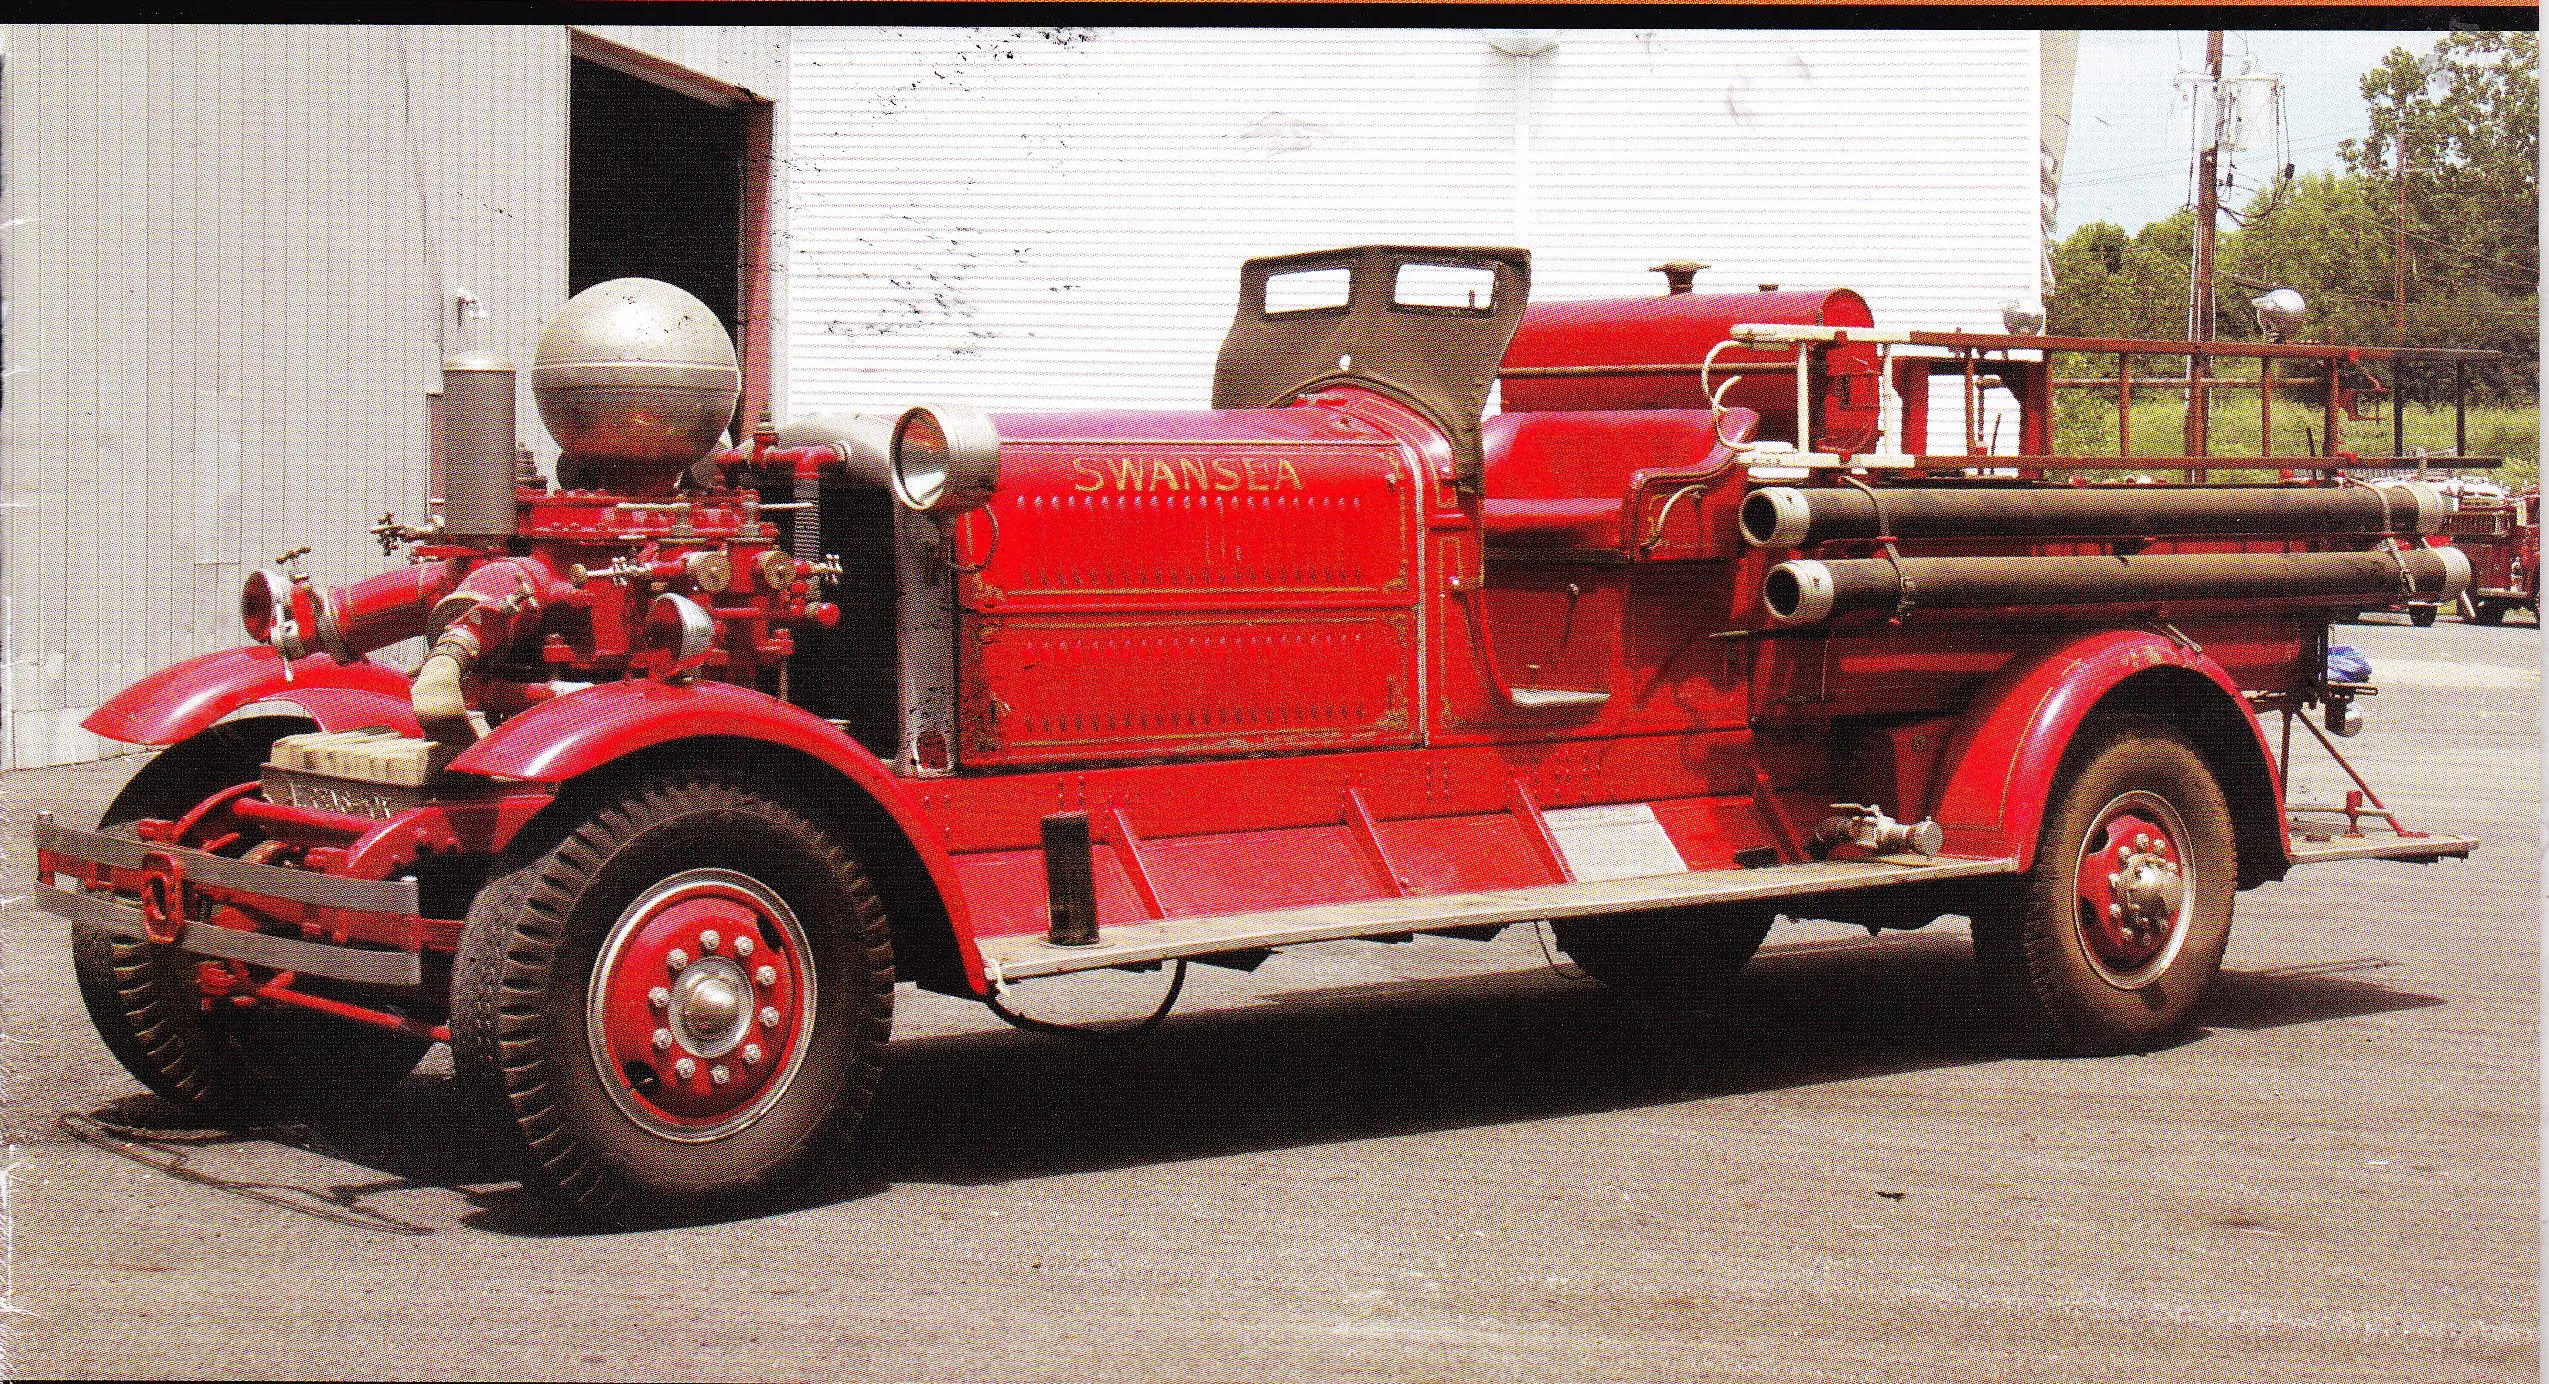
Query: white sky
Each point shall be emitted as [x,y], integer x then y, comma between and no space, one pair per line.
[2129,151]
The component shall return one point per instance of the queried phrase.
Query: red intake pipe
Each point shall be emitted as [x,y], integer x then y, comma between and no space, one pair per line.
[348,622]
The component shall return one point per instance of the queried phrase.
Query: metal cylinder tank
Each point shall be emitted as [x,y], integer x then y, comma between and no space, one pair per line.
[1805,592]
[1640,353]
[474,475]
[1789,517]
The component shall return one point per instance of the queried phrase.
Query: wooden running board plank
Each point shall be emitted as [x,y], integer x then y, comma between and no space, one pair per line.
[2423,850]
[1023,956]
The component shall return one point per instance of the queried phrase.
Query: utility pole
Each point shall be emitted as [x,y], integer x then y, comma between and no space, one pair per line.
[2199,307]
[2398,250]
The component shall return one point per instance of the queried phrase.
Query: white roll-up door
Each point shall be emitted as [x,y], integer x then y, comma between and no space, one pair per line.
[1055,218]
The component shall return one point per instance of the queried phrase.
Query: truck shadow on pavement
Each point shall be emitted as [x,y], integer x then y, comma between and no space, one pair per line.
[1375,1061]
[1267,1069]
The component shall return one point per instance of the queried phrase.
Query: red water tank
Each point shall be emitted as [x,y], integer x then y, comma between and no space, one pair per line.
[1648,353]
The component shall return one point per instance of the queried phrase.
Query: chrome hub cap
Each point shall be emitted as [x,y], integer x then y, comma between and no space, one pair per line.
[2135,889]
[690,1042]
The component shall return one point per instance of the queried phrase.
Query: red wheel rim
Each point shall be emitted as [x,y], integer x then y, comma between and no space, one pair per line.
[2135,889]
[702,999]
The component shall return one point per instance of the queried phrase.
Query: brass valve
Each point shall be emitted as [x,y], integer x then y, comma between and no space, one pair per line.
[390,533]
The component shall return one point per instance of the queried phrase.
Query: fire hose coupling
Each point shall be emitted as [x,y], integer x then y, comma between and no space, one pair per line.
[1870,830]
[437,697]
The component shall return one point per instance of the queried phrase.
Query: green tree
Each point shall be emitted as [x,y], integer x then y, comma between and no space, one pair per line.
[2455,134]
[2467,115]
[2109,283]
[2321,233]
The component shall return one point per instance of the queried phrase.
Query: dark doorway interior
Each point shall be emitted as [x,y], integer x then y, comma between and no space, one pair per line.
[654,188]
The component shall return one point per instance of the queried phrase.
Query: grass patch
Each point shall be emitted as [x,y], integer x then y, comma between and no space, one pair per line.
[2085,424]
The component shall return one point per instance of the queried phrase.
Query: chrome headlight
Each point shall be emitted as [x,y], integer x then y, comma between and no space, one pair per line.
[946,458]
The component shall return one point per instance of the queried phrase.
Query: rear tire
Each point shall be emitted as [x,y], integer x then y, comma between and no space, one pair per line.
[677,1007]
[2113,938]
[2423,615]
[1670,956]
[2489,613]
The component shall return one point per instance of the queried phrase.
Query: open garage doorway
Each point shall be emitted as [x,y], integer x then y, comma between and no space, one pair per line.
[668,177]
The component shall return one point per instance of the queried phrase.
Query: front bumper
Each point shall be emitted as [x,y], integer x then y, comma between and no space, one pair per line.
[144,890]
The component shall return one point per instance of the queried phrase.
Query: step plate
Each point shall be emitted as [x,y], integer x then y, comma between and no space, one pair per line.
[1027,955]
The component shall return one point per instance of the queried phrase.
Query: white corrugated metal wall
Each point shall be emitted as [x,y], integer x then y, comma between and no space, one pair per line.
[229,266]
[1037,218]
[220,311]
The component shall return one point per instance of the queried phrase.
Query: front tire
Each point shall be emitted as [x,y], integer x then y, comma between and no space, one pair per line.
[2111,941]
[677,1006]
[147,1000]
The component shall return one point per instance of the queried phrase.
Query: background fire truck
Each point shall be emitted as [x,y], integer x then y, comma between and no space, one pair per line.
[715,744]
[2501,535]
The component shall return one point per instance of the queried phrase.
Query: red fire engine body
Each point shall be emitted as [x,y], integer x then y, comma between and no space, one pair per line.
[715,744]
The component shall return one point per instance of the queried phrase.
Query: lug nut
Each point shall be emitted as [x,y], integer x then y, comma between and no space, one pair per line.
[663,1040]
[751,1054]
[766,976]
[708,942]
[685,1069]
[2143,841]
[676,958]
[743,945]
[769,1016]
[659,997]
[720,1075]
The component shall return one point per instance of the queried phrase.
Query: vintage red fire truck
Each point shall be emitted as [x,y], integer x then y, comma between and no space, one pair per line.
[2500,533]
[713,744]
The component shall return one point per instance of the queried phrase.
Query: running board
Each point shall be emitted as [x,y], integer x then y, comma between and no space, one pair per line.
[1024,956]
[2422,850]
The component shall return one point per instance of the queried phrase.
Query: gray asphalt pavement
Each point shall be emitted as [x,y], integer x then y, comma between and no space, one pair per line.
[1446,1160]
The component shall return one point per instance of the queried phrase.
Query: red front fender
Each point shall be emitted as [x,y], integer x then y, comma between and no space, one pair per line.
[576,734]
[184,698]
[1999,771]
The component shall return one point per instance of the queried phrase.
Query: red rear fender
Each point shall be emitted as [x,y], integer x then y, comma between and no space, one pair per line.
[184,698]
[1999,771]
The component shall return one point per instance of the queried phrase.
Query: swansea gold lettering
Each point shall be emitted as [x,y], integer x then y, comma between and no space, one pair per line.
[1204,473]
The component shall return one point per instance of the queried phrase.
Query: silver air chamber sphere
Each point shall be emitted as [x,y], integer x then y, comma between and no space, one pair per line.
[636,380]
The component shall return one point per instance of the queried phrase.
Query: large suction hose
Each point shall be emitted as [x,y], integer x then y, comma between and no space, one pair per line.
[1804,592]
[1792,517]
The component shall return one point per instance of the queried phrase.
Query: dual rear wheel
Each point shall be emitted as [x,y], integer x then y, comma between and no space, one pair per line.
[2114,937]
